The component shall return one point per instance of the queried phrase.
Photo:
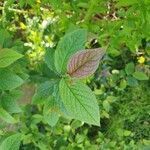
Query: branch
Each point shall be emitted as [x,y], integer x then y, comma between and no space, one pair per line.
[15,10]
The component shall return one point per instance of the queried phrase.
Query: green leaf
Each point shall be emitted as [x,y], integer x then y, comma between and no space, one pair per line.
[126,2]
[147,147]
[9,104]
[58,100]
[113,52]
[5,37]
[51,118]
[123,84]
[22,3]
[140,75]
[49,59]
[132,81]
[127,133]
[5,116]
[130,68]
[106,105]
[80,102]
[50,112]
[11,143]
[9,80]
[43,91]
[36,118]
[68,45]
[8,56]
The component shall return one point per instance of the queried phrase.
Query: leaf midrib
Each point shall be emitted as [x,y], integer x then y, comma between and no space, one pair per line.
[89,58]
[80,102]
[66,56]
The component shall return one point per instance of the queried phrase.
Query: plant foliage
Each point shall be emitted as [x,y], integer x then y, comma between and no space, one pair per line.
[74,75]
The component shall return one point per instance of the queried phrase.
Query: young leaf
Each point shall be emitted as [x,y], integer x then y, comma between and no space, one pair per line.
[80,102]
[9,80]
[8,56]
[11,143]
[85,62]
[68,45]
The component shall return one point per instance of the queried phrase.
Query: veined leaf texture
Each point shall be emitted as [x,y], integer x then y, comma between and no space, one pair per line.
[85,63]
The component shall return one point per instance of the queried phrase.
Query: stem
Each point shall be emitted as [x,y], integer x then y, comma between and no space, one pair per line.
[15,10]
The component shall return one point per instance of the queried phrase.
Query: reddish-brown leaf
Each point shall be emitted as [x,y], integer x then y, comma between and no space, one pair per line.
[85,63]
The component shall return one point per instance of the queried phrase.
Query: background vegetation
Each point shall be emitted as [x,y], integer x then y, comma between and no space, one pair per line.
[29,29]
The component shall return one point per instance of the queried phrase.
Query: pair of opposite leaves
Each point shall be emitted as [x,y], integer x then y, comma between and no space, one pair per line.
[85,62]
